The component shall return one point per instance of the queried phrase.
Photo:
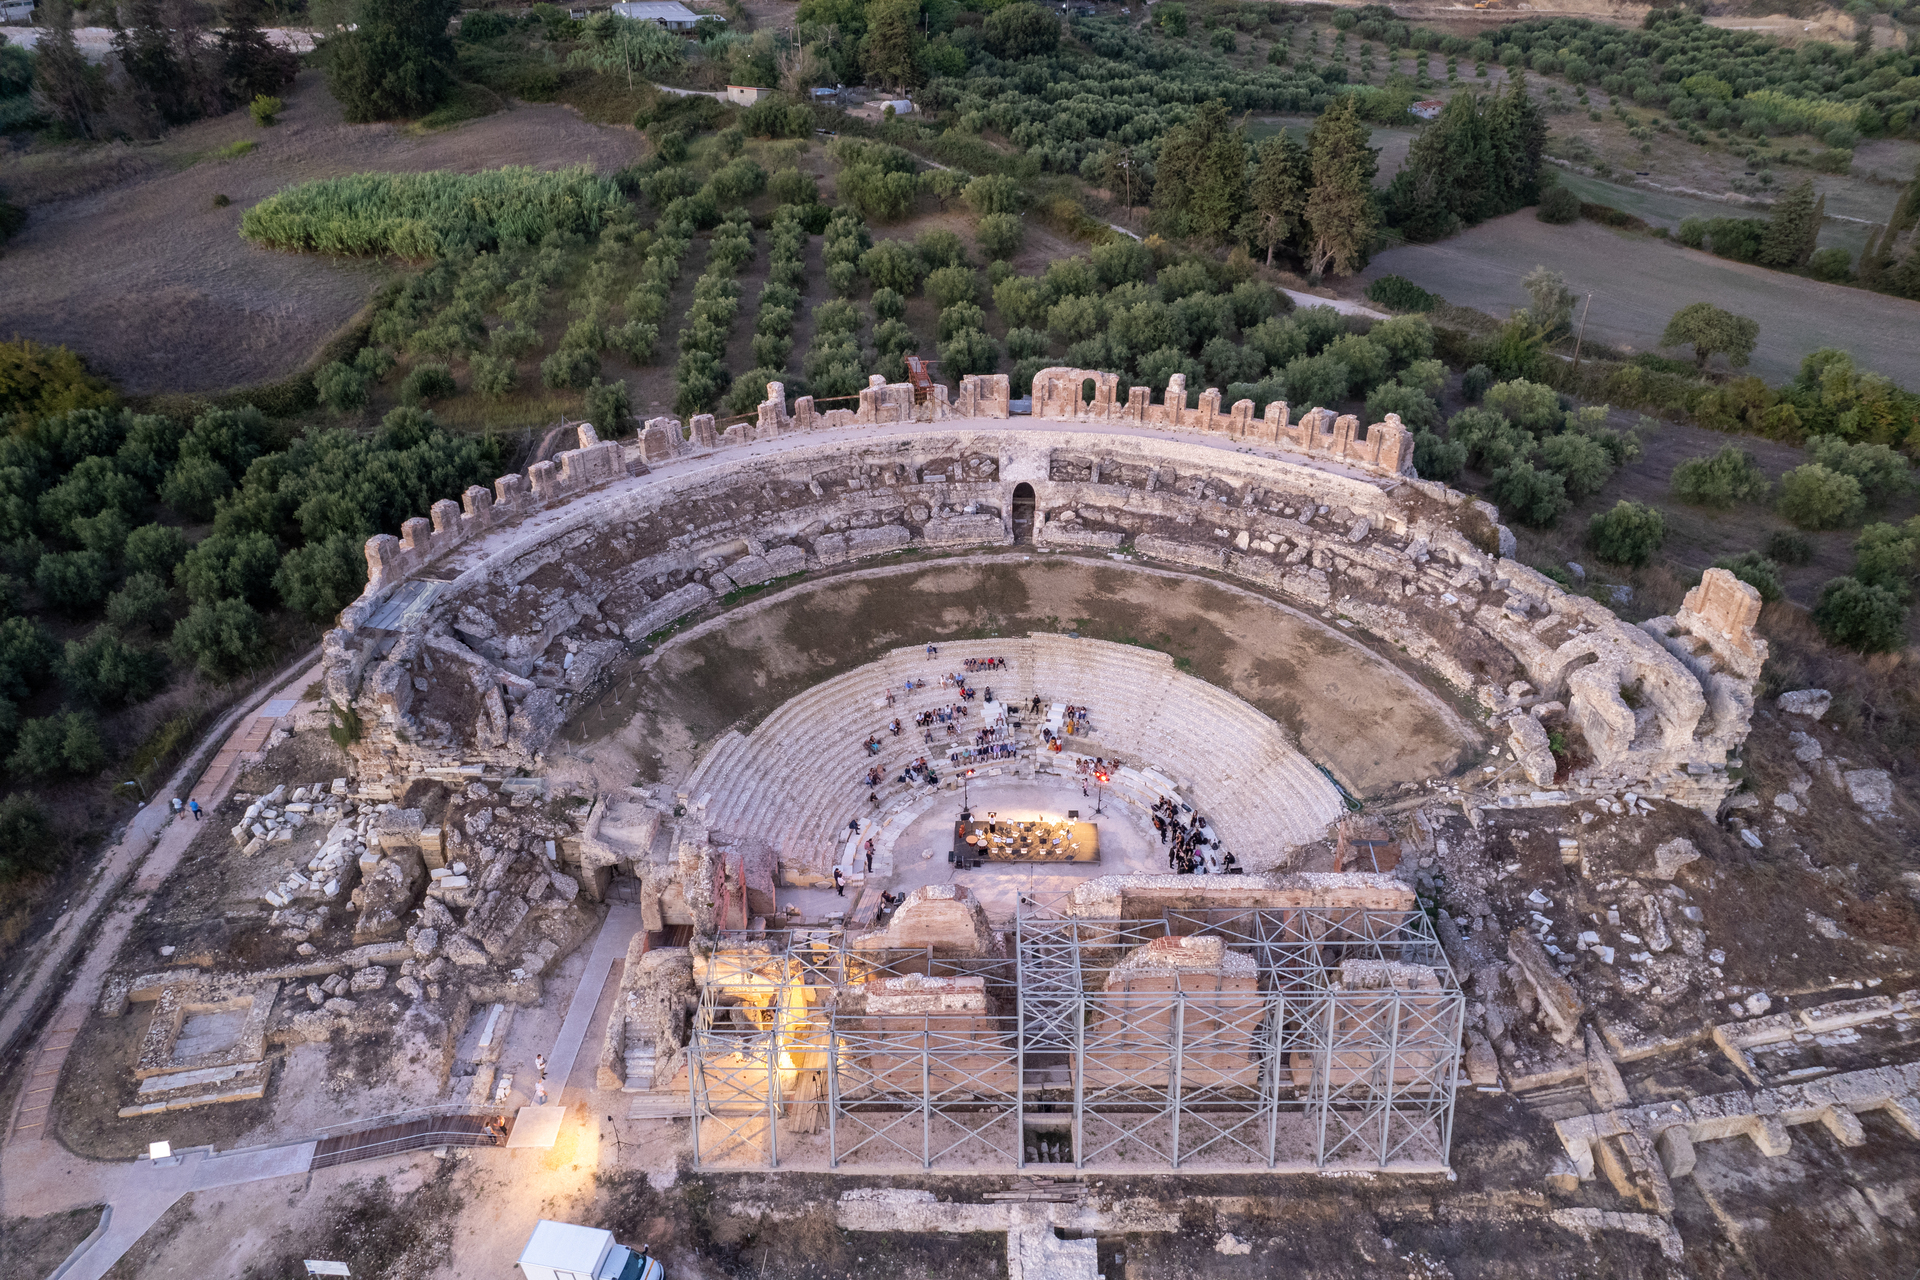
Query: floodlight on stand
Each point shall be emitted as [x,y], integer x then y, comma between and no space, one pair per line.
[321,1267]
[158,1151]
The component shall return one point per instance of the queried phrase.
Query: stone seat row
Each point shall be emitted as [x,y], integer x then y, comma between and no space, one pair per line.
[796,779]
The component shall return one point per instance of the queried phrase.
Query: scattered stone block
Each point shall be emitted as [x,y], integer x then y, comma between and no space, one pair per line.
[1811,703]
[1671,856]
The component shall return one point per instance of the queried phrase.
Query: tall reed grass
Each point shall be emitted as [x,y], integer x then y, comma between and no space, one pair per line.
[426,215]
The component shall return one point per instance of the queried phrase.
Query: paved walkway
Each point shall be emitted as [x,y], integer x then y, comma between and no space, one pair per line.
[616,934]
[144,1191]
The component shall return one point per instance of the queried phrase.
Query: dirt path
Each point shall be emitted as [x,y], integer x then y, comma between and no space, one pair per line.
[150,279]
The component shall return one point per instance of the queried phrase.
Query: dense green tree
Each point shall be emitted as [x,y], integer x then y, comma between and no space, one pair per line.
[1727,477]
[72,581]
[161,83]
[1448,179]
[992,193]
[64,743]
[230,566]
[1279,195]
[1856,615]
[1529,495]
[1712,332]
[324,577]
[890,51]
[251,65]
[27,840]
[155,549]
[1551,308]
[1581,461]
[27,656]
[1517,131]
[142,601]
[68,88]
[1000,235]
[103,670]
[1629,534]
[1200,184]
[221,639]
[1341,211]
[1814,497]
[1021,30]
[1884,475]
[397,61]
[1793,229]
[195,486]
[1886,555]
[891,264]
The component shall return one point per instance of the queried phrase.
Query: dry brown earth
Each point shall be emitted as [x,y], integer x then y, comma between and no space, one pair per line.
[131,262]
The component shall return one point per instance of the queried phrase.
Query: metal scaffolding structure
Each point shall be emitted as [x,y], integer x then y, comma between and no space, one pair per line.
[1327,1038]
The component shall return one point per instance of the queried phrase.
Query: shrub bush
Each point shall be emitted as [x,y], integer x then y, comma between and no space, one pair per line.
[949,285]
[1727,477]
[142,601]
[570,368]
[1883,474]
[1475,381]
[1438,459]
[1833,265]
[1815,497]
[609,405]
[493,377]
[425,383]
[265,109]
[1531,496]
[341,387]
[221,638]
[1855,615]
[27,840]
[1629,534]
[1789,548]
[1000,235]
[1558,206]
[1885,556]
[1758,572]
[72,581]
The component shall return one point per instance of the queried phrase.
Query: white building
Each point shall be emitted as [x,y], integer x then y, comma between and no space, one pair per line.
[563,1251]
[670,14]
[746,95]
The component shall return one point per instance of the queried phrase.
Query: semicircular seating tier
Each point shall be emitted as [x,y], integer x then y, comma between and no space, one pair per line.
[480,629]
[800,775]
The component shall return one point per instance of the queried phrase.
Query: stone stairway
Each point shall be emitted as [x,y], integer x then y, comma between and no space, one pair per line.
[639,1066]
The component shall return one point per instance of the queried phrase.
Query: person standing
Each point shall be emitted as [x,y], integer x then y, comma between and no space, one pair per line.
[839,882]
[540,1064]
[194,806]
[178,807]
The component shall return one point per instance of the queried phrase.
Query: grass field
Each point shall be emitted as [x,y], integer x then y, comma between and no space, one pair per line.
[1638,282]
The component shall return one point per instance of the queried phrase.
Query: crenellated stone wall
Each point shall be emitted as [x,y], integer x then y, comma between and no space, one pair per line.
[1087,395]
[472,670]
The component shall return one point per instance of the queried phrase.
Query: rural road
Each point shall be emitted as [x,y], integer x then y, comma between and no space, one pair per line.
[97,42]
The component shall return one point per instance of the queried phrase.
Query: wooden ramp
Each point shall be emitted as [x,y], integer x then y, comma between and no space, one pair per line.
[413,1135]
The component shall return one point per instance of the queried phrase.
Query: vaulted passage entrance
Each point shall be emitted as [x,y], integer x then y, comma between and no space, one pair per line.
[1023,512]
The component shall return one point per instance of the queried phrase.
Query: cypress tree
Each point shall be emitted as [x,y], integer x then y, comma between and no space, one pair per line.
[1874,258]
[1341,213]
[1279,194]
[144,46]
[1448,178]
[65,85]
[250,64]
[1790,233]
[1517,131]
[1200,184]
[397,62]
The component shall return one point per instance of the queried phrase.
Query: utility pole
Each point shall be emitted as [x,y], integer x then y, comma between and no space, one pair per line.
[1581,336]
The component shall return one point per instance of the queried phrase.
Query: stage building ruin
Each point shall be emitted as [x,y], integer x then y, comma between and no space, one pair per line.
[1296,1022]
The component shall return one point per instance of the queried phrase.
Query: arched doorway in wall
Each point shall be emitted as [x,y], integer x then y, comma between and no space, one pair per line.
[1023,512]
